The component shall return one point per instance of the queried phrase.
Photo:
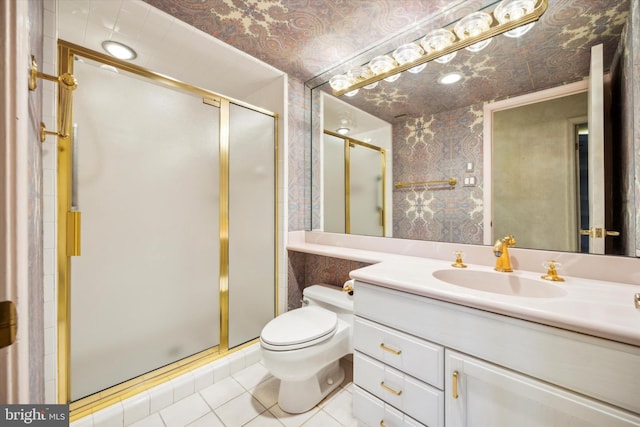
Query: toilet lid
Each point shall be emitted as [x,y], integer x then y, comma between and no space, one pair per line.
[300,326]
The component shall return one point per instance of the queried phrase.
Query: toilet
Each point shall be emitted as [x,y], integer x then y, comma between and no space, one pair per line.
[303,347]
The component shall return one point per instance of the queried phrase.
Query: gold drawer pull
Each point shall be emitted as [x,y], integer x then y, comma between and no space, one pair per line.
[454,388]
[382,423]
[389,349]
[390,390]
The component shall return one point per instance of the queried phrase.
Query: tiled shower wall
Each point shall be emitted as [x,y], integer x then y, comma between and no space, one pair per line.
[432,148]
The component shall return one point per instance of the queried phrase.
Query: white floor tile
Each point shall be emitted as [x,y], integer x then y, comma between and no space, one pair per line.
[266,419]
[232,404]
[267,392]
[209,420]
[252,376]
[240,410]
[322,419]
[340,408]
[222,392]
[151,421]
[185,411]
[293,420]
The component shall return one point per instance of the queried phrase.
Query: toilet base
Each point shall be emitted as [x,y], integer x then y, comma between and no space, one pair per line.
[296,397]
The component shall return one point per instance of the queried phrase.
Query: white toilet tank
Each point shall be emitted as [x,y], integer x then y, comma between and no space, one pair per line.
[331,298]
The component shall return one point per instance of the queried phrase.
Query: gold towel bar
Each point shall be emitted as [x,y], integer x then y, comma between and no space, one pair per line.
[67,83]
[451,181]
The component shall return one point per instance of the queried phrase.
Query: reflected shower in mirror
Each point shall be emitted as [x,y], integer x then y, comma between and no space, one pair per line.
[439,130]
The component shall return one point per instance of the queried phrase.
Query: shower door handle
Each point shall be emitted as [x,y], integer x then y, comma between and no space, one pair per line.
[8,323]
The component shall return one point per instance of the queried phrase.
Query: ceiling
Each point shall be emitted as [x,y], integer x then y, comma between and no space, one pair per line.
[310,38]
[304,38]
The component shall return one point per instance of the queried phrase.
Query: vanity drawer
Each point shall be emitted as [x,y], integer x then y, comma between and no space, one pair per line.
[408,394]
[373,412]
[409,354]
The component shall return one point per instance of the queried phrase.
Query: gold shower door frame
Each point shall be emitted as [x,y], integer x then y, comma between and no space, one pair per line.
[348,143]
[69,242]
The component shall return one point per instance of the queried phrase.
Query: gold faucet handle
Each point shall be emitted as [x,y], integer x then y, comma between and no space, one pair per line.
[348,286]
[552,267]
[458,263]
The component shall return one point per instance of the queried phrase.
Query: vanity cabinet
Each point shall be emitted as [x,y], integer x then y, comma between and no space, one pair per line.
[439,363]
[400,371]
[482,394]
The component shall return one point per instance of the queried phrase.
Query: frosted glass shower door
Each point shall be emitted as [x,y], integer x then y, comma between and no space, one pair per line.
[145,290]
[252,213]
[366,191]
[333,184]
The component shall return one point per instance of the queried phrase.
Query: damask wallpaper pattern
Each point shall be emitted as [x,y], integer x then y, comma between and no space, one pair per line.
[302,37]
[437,147]
[309,269]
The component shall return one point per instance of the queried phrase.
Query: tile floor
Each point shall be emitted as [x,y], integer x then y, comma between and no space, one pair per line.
[249,398]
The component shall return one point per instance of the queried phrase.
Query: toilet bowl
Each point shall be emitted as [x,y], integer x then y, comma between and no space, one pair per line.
[303,347]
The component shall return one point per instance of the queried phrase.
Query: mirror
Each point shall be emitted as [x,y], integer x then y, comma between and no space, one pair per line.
[438,130]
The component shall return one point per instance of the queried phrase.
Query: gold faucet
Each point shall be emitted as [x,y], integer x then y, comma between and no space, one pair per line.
[501,251]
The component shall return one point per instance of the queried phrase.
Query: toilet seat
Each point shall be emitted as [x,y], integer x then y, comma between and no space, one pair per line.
[299,328]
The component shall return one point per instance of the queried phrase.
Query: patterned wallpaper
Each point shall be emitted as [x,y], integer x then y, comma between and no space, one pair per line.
[308,269]
[554,52]
[297,158]
[436,147]
[301,37]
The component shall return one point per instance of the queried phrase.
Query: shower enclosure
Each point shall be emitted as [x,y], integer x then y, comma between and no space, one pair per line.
[174,259]
[353,184]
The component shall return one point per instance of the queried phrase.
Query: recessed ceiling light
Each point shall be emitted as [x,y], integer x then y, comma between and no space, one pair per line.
[343,130]
[119,50]
[450,78]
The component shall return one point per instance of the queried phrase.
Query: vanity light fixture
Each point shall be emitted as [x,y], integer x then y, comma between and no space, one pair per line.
[383,64]
[512,18]
[408,53]
[472,26]
[450,78]
[510,10]
[119,50]
[439,40]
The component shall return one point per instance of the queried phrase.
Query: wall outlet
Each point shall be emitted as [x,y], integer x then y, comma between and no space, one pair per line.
[470,181]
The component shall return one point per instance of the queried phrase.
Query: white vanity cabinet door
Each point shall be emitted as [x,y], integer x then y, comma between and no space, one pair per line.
[409,354]
[485,395]
[411,396]
[373,412]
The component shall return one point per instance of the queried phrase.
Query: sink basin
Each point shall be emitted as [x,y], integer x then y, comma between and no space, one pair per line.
[500,283]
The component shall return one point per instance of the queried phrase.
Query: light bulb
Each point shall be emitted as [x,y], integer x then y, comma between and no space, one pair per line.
[407,53]
[381,64]
[438,40]
[510,10]
[119,50]
[339,82]
[474,25]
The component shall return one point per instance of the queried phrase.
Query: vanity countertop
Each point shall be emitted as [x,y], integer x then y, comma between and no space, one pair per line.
[593,307]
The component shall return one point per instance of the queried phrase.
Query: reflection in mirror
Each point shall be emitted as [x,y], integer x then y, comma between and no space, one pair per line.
[438,130]
[355,187]
[535,180]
